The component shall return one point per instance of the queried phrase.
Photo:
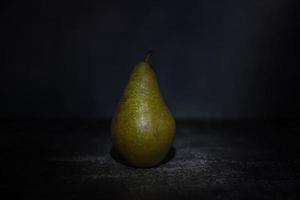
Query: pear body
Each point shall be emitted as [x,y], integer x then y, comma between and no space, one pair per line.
[142,127]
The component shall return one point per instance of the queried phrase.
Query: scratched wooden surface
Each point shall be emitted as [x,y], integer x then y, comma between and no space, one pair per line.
[209,160]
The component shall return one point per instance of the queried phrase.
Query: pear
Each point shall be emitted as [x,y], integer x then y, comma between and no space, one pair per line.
[142,127]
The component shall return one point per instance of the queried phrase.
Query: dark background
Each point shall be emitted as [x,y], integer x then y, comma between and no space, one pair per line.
[214,59]
[229,72]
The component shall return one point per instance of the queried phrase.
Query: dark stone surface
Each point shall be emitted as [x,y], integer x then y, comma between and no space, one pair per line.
[211,160]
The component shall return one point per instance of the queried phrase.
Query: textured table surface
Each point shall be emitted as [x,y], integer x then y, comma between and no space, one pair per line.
[209,160]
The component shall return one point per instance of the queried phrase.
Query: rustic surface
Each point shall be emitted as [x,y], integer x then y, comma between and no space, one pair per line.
[210,160]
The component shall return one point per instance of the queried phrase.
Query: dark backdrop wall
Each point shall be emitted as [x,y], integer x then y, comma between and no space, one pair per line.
[214,59]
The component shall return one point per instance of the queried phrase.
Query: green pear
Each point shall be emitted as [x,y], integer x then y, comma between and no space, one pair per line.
[142,127]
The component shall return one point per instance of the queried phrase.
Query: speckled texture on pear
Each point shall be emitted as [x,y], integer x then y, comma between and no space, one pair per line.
[142,127]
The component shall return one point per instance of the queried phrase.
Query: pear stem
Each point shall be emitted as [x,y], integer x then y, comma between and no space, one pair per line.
[148,55]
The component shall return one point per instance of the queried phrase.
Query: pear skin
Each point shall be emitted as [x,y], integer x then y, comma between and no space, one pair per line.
[142,127]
